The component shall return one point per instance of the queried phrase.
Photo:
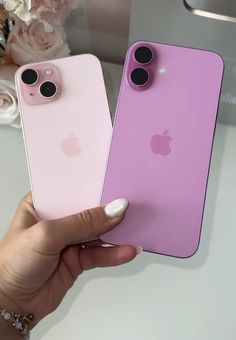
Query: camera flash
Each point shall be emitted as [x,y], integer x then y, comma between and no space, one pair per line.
[162,70]
[48,72]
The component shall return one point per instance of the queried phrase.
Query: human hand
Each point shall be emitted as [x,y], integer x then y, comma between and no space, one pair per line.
[40,260]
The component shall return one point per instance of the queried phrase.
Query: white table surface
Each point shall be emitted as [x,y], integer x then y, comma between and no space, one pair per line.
[155,297]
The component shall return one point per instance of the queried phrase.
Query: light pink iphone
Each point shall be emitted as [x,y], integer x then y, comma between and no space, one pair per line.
[162,145]
[67,132]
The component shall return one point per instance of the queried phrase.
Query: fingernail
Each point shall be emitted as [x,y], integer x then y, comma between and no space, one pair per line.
[116,208]
[139,249]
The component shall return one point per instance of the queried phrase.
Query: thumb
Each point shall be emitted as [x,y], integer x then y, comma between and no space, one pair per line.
[79,228]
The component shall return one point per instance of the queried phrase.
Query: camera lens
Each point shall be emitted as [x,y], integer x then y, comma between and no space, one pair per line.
[29,77]
[140,77]
[48,89]
[143,55]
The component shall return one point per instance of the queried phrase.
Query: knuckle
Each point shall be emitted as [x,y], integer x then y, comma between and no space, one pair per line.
[26,201]
[92,222]
[86,219]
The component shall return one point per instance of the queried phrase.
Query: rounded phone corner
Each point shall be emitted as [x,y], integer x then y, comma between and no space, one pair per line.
[189,254]
[219,57]
[102,238]
[93,58]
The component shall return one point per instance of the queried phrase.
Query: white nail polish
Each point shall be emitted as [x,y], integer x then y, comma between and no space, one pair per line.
[139,249]
[116,208]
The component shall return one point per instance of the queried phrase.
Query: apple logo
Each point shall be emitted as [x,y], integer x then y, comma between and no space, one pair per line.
[70,146]
[160,144]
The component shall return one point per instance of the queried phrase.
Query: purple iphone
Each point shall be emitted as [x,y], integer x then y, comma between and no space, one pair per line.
[162,145]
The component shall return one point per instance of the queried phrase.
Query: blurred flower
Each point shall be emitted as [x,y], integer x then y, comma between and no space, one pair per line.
[9,111]
[54,11]
[31,43]
[20,8]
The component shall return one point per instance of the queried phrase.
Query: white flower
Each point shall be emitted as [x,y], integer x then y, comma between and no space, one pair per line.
[9,110]
[21,8]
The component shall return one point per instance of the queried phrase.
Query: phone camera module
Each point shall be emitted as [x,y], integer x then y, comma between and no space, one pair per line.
[140,77]
[143,55]
[30,77]
[48,89]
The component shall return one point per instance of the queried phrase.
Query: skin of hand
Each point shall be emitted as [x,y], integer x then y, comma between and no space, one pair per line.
[40,260]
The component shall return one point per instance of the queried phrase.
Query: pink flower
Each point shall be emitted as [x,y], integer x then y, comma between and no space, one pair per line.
[31,43]
[53,10]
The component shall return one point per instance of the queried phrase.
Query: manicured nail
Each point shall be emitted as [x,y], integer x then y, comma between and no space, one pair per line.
[139,249]
[116,208]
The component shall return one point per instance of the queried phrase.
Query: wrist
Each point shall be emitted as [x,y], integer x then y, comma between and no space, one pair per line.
[15,323]
[8,332]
